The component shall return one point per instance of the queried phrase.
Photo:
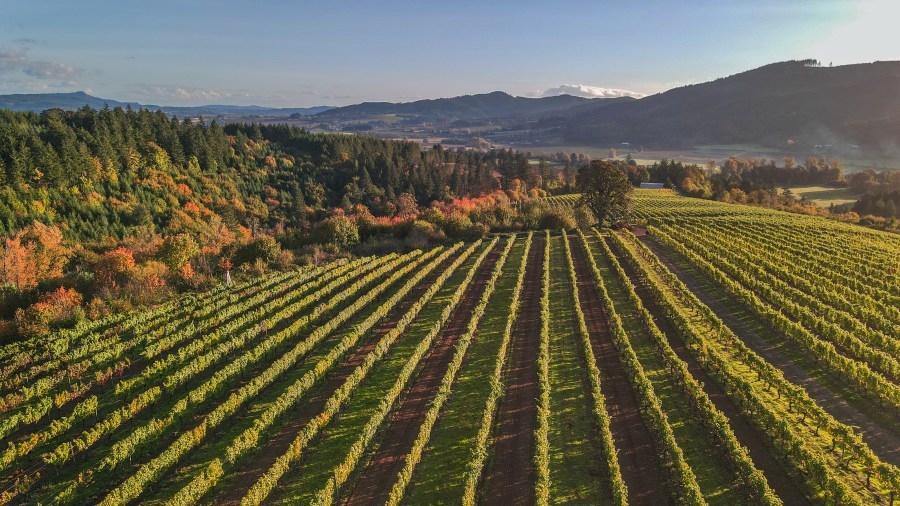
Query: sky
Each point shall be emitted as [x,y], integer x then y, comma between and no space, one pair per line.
[306,53]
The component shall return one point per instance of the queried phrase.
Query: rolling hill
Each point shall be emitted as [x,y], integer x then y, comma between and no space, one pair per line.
[469,107]
[794,102]
[772,105]
[37,102]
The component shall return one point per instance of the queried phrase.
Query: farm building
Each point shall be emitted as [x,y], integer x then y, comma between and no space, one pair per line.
[652,186]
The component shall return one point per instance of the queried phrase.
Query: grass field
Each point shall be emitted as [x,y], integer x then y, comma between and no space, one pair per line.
[824,196]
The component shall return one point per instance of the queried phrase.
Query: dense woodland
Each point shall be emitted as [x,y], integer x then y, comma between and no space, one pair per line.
[119,206]
[104,173]
[880,193]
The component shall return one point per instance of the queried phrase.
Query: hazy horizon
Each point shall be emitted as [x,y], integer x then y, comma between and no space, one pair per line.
[287,55]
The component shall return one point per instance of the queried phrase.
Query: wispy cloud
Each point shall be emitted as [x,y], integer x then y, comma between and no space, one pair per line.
[15,61]
[337,97]
[25,41]
[583,90]
[170,94]
[158,91]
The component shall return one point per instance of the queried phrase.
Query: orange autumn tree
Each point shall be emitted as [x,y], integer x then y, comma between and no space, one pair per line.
[32,255]
[113,267]
[53,309]
[49,251]
[16,267]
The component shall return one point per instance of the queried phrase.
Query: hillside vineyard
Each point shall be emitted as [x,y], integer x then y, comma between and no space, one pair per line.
[719,354]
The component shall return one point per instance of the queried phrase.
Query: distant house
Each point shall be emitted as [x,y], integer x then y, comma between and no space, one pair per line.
[653,186]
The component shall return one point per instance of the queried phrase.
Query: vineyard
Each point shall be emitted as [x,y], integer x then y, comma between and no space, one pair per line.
[714,354]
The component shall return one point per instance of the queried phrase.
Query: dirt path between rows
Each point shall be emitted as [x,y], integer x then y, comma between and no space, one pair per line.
[883,441]
[637,455]
[747,434]
[377,478]
[510,474]
[250,471]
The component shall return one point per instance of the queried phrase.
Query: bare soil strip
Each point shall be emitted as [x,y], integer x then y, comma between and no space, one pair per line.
[510,474]
[637,455]
[747,434]
[881,438]
[375,481]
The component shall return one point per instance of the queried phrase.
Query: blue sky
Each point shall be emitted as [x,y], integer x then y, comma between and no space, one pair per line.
[305,53]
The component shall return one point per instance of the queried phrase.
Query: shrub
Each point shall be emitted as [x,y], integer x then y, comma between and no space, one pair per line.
[555,219]
[262,248]
[432,216]
[584,218]
[420,233]
[339,231]
[459,226]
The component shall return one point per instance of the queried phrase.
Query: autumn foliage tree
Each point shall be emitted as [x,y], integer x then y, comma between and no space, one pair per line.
[113,267]
[48,250]
[53,309]
[34,254]
[16,268]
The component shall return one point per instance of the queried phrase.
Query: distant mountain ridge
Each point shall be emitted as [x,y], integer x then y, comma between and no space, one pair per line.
[37,102]
[782,104]
[777,104]
[497,104]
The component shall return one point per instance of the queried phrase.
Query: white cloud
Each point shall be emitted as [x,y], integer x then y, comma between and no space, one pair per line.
[179,92]
[14,62]
[583,90]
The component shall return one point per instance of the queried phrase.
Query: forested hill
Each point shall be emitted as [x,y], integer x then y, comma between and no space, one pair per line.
[791,101]
[469,107]
[113,173]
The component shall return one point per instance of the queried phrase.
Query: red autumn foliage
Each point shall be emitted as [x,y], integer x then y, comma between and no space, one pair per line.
[191,208]
[113,266]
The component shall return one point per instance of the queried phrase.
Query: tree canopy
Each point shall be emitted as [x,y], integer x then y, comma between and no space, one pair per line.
[114,173]
[605,191]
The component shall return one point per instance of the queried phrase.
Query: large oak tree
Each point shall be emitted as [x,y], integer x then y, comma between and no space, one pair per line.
[605,191]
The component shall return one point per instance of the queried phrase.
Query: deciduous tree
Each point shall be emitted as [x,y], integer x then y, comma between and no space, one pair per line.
[605,191]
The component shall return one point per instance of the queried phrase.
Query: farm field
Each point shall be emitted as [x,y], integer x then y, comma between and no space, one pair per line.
[714,354]
[824,196]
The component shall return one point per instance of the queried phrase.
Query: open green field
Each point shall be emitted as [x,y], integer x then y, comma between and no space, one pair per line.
[824,196]
[701,154]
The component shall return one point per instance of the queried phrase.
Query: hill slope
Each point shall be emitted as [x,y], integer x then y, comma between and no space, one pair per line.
[468,107]
[858,104]
[37,102]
